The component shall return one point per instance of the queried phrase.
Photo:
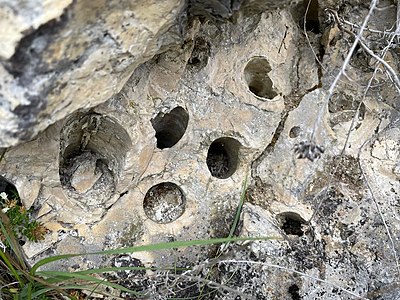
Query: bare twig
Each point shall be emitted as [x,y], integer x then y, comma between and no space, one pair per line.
[378,206]
[212,283]
[292,271]
[398,18]
[342,70]
[306,34]
[389,69]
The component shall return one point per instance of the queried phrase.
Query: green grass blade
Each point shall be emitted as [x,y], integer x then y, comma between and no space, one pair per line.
[239,208]
[26,292]
[46,290]
[11,269]
[87,279]
[12,241]
[153,247]
[109,269]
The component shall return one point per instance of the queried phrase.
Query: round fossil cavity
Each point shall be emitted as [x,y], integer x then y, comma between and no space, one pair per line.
[164,202]
[294,132]
[92,154]
[257,78]
[170,127]
[291,223]
[223,157]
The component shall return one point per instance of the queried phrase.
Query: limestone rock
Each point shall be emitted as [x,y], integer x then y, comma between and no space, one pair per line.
[79,47]
[85,176]
[17,18]
[157,121]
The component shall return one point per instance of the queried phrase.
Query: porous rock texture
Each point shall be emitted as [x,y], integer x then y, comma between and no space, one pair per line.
[127,123]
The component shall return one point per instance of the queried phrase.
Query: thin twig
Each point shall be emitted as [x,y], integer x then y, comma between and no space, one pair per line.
[398,18]
[212,283]
[384,51]
[306,34]
[384,63]
[342,70]
[292,271]
[378,206]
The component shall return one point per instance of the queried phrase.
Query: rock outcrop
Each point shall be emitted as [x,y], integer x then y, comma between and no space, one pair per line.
[129,123]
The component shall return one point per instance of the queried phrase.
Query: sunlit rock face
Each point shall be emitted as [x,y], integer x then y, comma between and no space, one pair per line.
[139,122]
[61,56]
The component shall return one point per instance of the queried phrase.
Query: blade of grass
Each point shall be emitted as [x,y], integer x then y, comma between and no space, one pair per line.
[239,208]
[26,292]
[39,282]
[231,231]
[11,269]
[88,279]
[110,269]
[94,289]
[153,247]
[12,241]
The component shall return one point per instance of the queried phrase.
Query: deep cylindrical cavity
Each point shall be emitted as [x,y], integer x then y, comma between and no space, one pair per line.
[170,127]
[92,153]
[164,202]
[9,190]
[257,78]
[223,157]
[291,223]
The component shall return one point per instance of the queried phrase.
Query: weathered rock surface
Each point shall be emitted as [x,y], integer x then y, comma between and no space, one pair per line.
[61,56]
[156,130]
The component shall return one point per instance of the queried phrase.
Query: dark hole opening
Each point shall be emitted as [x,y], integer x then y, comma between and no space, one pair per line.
[200,54]
[294,132]
[292,223]
[222,157]
[8,188]
[170,127]
[294,292]
[92,155]
[312,21]
[257,78]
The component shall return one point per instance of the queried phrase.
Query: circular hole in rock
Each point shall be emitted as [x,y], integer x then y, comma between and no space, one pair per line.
[164,202]
[294,132]
[257,79]
[11,205]
[293,291]
[223,157]
[200,54]
[170,127]
[92,154]
[291,223]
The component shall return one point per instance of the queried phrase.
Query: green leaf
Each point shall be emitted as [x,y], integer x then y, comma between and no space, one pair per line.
[153,247]
[87,279]
[239,208]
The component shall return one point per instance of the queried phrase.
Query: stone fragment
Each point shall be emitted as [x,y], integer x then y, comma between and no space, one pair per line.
[85,176]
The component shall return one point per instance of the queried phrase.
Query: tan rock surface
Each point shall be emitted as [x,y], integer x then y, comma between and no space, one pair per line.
[159,120]
[59,67]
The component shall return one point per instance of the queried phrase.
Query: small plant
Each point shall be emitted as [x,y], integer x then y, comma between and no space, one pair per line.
[21,222]
[20,281]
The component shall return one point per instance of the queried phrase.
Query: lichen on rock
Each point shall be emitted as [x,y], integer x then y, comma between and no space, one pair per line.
[133,123]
